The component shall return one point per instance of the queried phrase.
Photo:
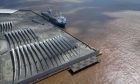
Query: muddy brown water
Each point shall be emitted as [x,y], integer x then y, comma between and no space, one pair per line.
[113,26]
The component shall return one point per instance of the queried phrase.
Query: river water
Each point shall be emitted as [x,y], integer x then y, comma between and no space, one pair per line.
[112,26]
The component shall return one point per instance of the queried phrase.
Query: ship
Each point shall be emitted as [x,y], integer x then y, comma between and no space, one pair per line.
[56,19]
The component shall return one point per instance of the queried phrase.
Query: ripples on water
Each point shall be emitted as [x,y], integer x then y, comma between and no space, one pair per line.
[88,19]
[84,16]
[110,25]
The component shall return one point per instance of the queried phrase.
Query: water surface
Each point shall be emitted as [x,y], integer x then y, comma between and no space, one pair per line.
[113,26]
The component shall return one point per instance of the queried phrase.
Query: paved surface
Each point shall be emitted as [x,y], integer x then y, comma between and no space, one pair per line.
[113,26]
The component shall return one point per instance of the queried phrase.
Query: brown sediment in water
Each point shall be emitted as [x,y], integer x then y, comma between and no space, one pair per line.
[116,34]
[119,44]
[109,25]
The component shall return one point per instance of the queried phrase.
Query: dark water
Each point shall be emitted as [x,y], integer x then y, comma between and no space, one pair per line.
[81,14]
[87,10]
